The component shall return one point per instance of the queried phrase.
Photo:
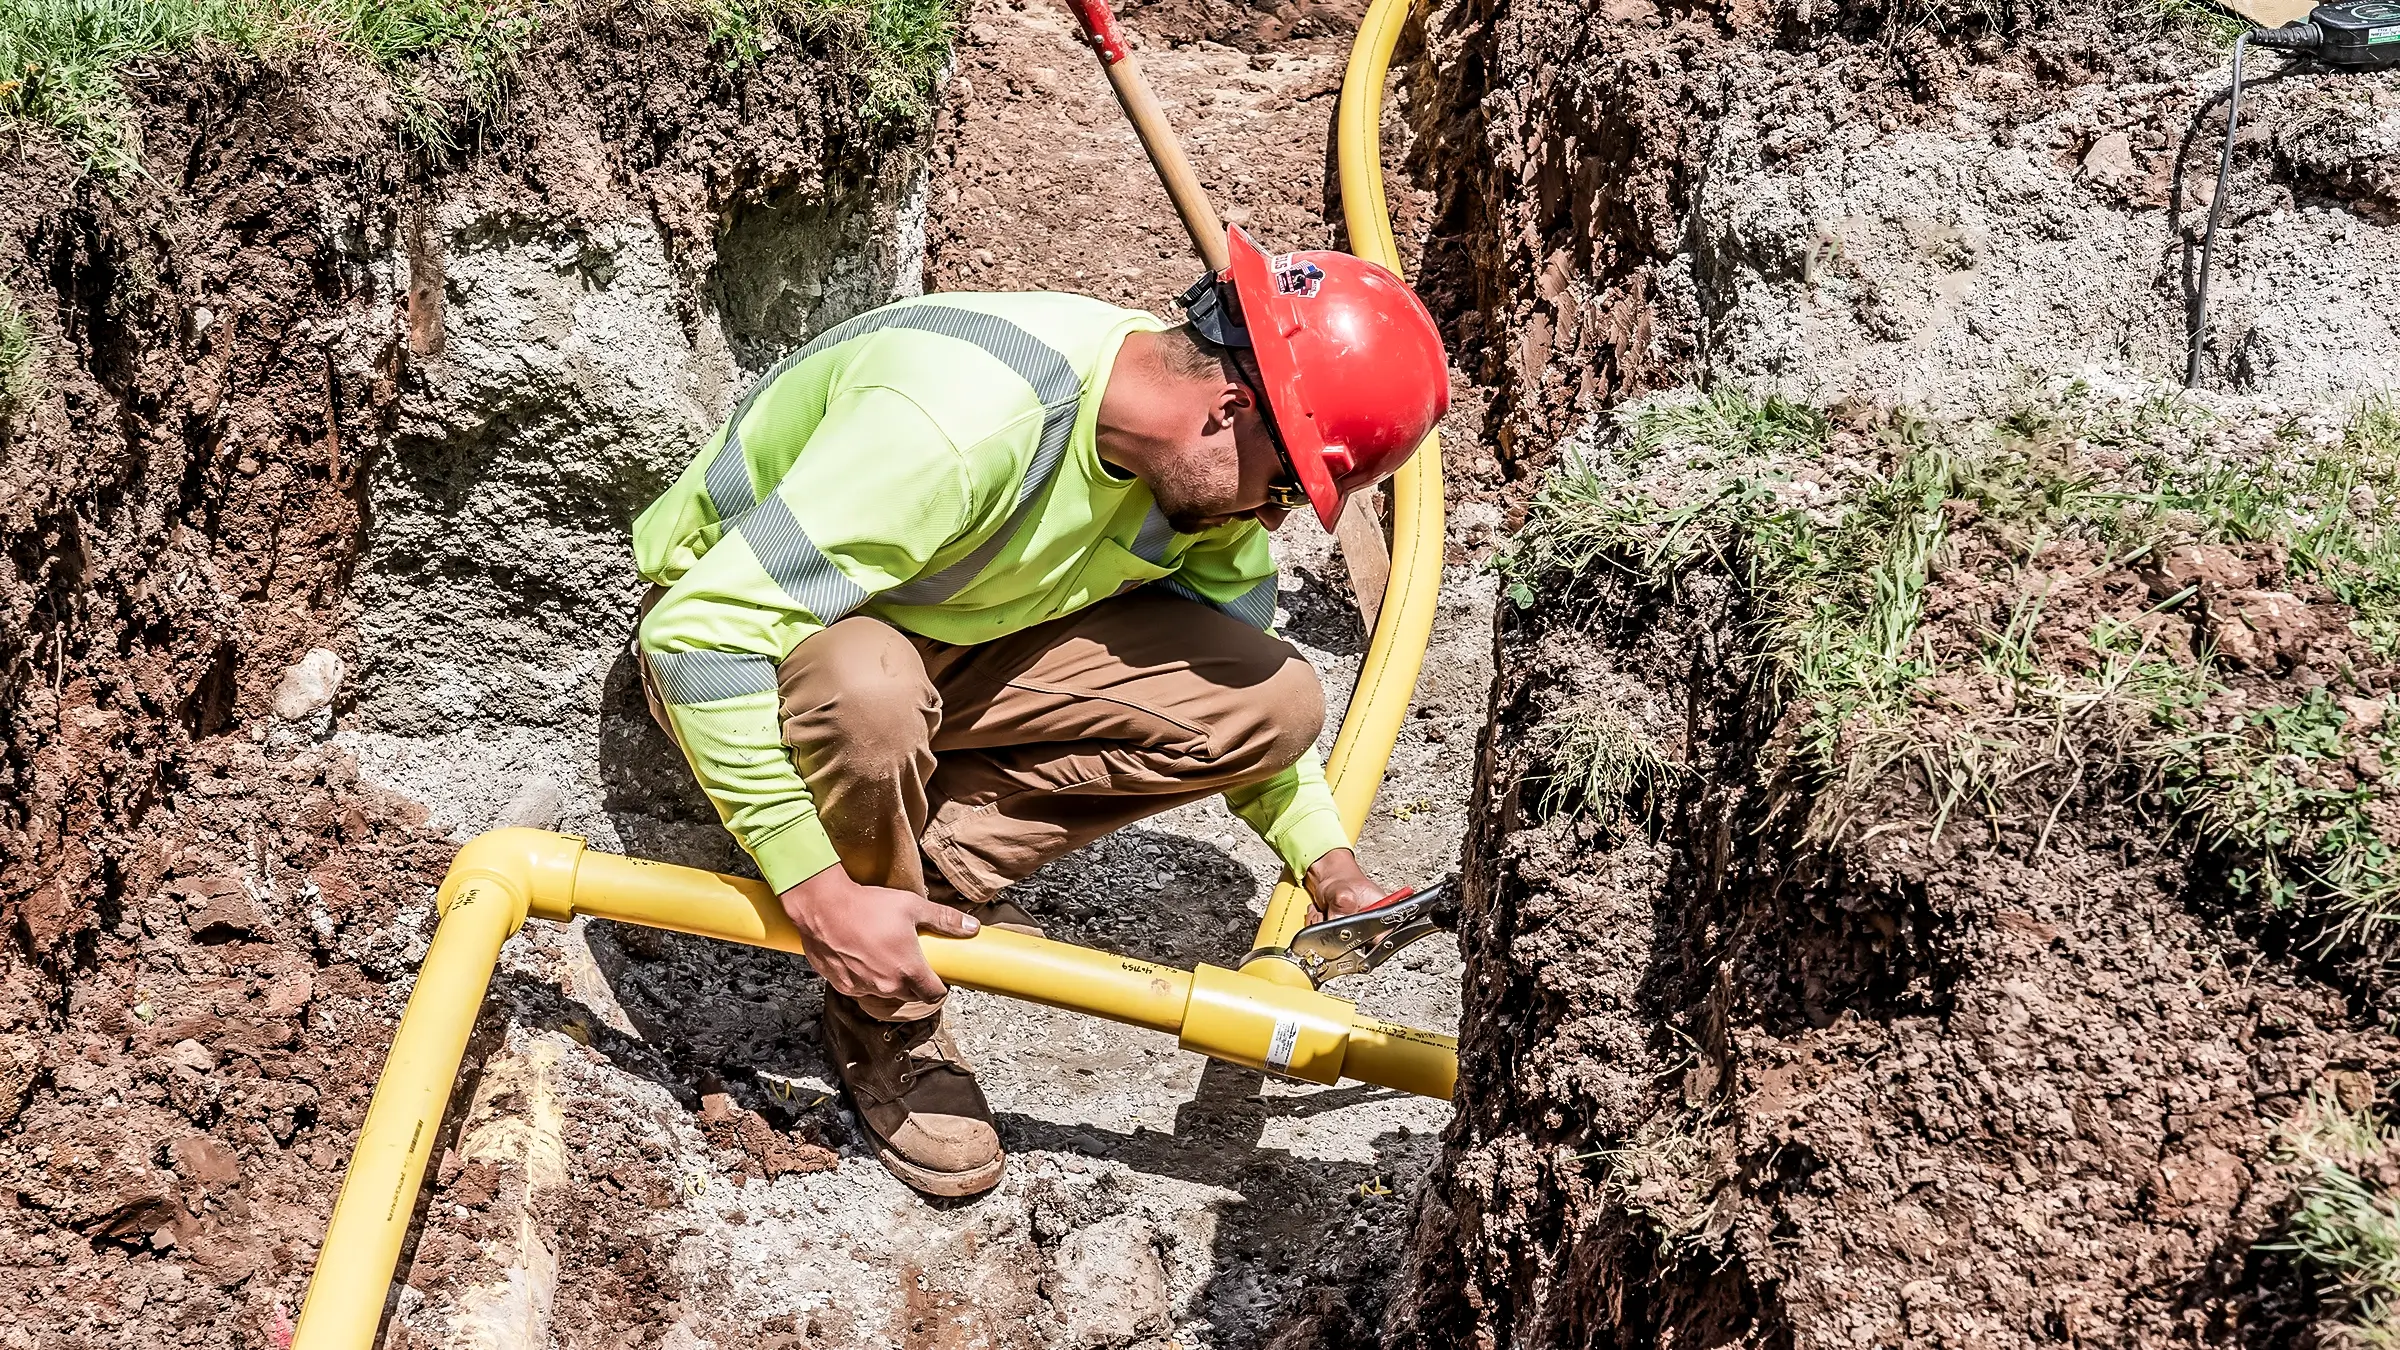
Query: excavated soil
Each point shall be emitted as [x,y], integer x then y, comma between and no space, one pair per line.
[2012,1081]
[212,919]
[1722,1084]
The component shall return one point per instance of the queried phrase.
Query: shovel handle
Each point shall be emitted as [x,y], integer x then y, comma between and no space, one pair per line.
[1099,25]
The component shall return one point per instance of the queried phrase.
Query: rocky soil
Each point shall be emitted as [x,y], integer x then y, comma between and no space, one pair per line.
[317,568]
[1733,1077]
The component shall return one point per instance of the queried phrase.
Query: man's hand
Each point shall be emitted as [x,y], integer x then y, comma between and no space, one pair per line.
[1340,886]
[863,939]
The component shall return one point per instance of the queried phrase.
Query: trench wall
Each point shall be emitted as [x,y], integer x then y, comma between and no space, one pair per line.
[577,367]
[1880,206]
[295,372]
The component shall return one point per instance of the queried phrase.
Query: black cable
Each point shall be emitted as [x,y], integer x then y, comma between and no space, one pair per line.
[2305,37]
[2216,212]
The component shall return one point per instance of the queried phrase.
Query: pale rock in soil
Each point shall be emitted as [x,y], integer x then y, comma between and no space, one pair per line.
[2263,628]
[535,807]
[2111,161]
[289,991]
[581,368]
[1108,1289]
[231,911]
[309,685]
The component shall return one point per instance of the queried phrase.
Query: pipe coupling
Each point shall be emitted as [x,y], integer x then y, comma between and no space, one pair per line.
[1296,1032]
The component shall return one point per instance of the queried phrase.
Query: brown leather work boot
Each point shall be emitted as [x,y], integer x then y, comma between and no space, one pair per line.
[997,912]
[932,1127]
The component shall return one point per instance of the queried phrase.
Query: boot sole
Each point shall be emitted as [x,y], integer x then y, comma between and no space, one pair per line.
[929,1182]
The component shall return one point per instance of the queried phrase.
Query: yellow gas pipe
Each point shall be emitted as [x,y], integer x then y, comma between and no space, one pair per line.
[502,878]
[1264,1016]
[1388,677]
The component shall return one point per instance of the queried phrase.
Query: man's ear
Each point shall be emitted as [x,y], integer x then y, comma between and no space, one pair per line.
[1232,398]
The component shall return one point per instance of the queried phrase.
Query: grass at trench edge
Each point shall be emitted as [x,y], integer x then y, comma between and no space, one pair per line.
[1841,585]
[19,357]
[1840,578]
[63,63]
[2345,1226]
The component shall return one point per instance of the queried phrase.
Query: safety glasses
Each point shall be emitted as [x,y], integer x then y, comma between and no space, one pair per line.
[1284,493]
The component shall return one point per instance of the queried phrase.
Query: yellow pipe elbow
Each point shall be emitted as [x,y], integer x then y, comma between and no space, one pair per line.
[536,869]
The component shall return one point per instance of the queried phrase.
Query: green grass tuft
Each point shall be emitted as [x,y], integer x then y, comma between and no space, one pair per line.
[2203,21]
[1596,757]
[2345,1229]
[60,61]
[430,48]
[2337,508]
[63,63]
[899,46]
[2286,789]
[1729,420]
[20,354]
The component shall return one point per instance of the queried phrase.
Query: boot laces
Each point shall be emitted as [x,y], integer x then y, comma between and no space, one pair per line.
[920,1049]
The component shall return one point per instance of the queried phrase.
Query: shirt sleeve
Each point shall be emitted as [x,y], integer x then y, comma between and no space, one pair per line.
[816,546]
[1233,570]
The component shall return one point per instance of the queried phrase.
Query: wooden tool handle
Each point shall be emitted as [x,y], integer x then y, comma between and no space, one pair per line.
[1158,136]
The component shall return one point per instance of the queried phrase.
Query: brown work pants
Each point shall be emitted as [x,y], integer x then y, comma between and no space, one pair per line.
[996,758]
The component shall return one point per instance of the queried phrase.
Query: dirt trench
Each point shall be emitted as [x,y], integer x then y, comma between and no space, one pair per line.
[318,531]
[1722,1083]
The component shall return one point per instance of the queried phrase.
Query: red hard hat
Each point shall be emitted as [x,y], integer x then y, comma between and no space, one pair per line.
[1353,365]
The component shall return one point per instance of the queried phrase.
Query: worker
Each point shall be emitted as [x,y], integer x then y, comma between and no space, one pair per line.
[971,580]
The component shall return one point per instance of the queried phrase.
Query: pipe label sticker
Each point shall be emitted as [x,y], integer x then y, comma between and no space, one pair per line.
[1279,1051]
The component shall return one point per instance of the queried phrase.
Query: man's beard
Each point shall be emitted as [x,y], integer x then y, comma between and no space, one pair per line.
[1188,500]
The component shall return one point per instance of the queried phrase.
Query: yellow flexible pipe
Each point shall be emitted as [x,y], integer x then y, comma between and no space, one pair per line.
[483,900]
[1387,680]
[502,878]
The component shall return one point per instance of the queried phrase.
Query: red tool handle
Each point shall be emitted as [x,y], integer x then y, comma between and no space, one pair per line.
[1100,29]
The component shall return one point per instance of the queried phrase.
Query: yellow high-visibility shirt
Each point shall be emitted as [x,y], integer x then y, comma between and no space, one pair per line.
[930,463]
